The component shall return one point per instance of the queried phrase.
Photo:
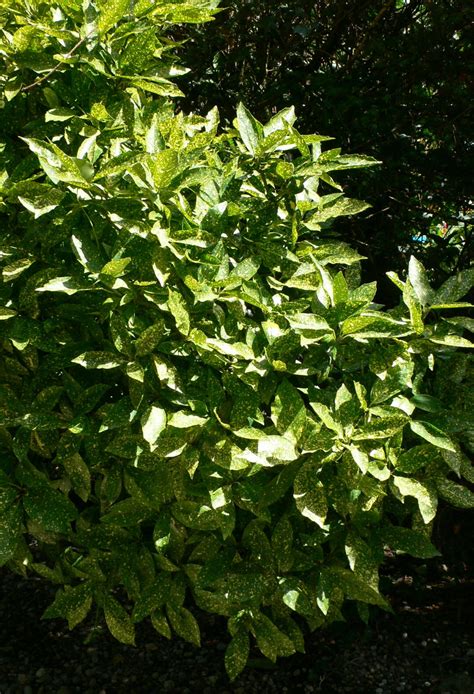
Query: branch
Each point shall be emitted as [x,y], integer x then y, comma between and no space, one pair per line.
[56,67]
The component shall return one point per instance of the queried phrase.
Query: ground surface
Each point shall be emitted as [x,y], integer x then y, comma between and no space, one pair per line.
[427,646]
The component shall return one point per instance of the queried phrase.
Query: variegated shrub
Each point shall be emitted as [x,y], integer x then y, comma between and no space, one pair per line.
[199,402]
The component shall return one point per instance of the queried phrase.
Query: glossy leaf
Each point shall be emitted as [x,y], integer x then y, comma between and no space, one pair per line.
[407,540]
[180,313]
[426,497]
[98,360]
[432,434]
[237,653]
[49,508]
[419,281]
[455,494]
[153,423]
[251,131]
[310,495]
[79,474]
[184,624]
[73,603]
[118,621]
[271,641]
[111,13]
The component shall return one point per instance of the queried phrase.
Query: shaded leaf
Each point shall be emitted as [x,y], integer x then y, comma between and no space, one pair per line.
[119,621]
[237,653]
[184,624]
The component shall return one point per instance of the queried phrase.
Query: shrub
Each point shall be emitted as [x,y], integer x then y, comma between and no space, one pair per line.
[200,403]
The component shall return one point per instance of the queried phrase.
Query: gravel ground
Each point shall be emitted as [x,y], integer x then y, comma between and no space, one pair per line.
[427,646]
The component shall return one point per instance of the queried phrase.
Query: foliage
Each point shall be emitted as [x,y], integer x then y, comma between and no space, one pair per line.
[391,79]
[200,402]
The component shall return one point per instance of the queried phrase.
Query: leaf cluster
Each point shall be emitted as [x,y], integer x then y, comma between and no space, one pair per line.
[390,79]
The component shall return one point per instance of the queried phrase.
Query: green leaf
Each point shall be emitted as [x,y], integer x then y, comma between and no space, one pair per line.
[115,268]
[160,623]
[282,543]
[110,14]
[361,458]
[80,604]
[455,494]
[230,349]
[452,341]
[413,304]
[6,313]
[164,167]
[369,326]
[424,494]
[56,163]
[269,447]
[392,381]
[73,603]
[49,508]
[310,495]
[98,360]
[348,161]
[340,208]
[58,114]
[296,596]
[184,624]
[416,458]
[66,285]
[153,423]
[138,52]
[177,306]
[154,142]
[362,560]
[148,340]
[251,131]
[381,428]
[271,641]
[79,474]
[325,415]
[455,287]
[40,199]
[407,540]
[117,165]
[127,513]
[419,281]
[119,621]
[152,598]
[237,653]
[355,587]
[186,420]
[10,524]
[160,87]
[432,434]
[459,463]
[247,268]
[427,403]
[308,321]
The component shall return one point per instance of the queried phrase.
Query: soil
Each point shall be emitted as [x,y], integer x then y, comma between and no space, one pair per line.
[426,646]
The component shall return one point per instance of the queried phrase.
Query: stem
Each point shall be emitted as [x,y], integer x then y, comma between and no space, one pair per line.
[56,67]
